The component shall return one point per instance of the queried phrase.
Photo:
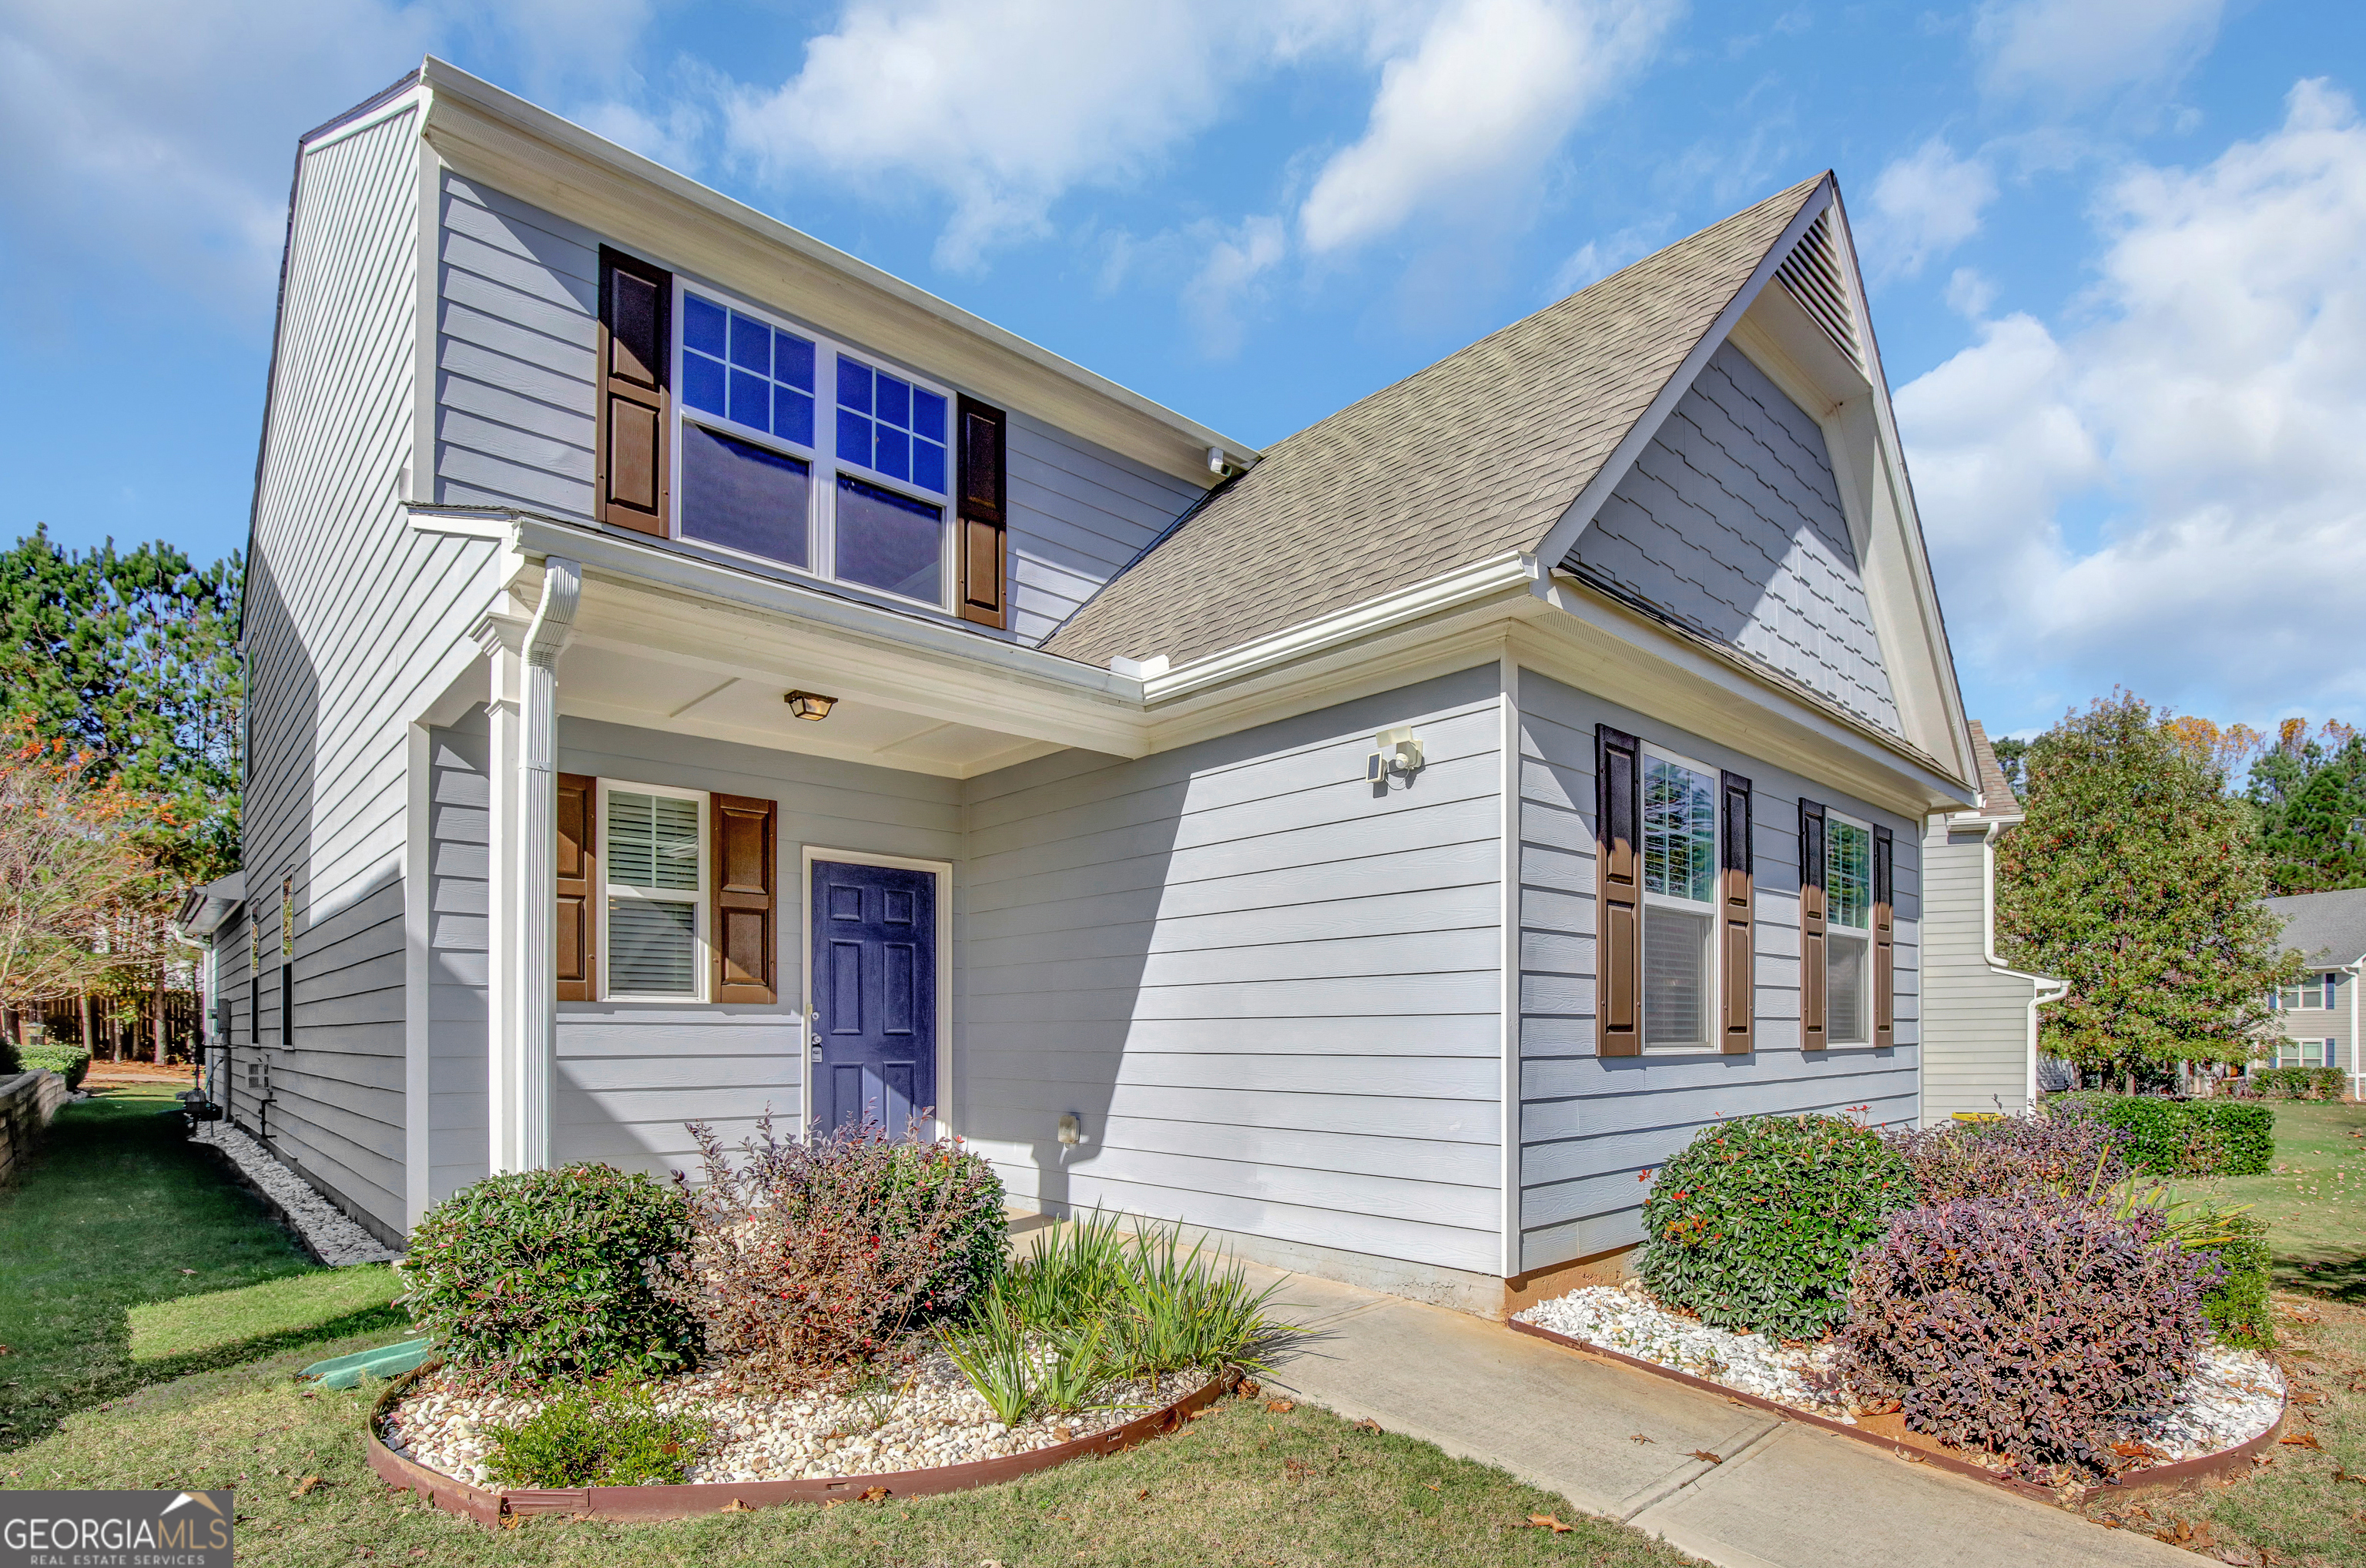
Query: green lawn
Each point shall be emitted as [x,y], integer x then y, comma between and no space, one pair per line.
[2314,1199]
[116,1212]
[116,1207]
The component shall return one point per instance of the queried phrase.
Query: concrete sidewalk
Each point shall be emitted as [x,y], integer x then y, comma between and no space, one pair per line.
[1787,1495]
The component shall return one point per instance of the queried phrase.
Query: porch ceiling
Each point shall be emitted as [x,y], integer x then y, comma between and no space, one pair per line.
[638,686]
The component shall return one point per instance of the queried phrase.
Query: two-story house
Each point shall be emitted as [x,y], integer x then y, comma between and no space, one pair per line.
[695,672]
[2316,1020]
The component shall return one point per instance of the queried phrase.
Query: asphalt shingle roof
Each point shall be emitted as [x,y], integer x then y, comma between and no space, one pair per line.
[2327,928]
[1475,456]
[1996,798]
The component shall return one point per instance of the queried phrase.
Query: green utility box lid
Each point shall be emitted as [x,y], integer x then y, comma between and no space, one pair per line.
[388,1361]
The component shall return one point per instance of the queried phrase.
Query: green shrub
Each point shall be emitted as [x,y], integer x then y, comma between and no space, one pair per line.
[553,1273]
[605,1434]
[2182,1137]
[1757,1222]
[69,1062]
[2236,1305]
[2301,1083]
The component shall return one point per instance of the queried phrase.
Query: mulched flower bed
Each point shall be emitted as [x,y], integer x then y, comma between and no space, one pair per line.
[2233,1397]
[929,1417]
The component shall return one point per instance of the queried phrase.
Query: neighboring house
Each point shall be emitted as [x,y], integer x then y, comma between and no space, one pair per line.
[694,673]
[2318,1019]
[1979,1015]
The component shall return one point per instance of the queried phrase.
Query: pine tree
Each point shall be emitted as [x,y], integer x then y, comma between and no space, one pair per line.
[2312,819]
[2137,880]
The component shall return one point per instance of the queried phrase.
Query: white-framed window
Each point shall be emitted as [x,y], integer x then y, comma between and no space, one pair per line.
[1679,903]
[802,453]
[2304,1053]
[1848,931]
[653,864]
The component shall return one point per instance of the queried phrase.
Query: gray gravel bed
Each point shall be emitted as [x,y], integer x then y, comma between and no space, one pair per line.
[333,1238]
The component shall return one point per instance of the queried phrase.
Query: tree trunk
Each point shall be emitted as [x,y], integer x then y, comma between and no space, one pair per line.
[89,1026]
[158,1019]
[2128,1081]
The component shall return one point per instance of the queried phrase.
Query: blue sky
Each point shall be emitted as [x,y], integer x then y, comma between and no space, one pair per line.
[2116,249]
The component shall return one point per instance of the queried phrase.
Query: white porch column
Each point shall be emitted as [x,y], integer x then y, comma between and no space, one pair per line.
[520,1000]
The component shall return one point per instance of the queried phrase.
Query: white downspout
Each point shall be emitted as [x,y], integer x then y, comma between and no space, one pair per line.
[2356,1069]
[2047,989]
[536,997]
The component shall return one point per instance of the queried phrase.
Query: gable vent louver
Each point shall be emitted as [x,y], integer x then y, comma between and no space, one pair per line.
[1812,274]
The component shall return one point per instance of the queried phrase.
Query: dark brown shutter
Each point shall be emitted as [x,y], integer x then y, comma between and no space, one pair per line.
[1813,1035]
[578,862]
[635,346]
[1737,897]
[983,517]
[745,940]
[1885,940]
[1618,893]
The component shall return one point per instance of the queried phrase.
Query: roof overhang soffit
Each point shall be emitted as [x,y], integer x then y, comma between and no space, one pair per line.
[1852,401]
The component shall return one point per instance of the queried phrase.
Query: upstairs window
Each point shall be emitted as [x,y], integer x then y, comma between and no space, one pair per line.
[654,861]
[1848,931]
[1679,903]
[852,488]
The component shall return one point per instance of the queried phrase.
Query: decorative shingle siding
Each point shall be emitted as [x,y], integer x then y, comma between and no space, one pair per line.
[1590,1125]
[1731,522]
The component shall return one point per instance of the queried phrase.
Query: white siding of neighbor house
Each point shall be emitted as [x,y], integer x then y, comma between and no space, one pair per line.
[517,326]
[633,1074]
[1976,1030]
[1269,991]
[1591,1127]
[349,617]
[1731,523]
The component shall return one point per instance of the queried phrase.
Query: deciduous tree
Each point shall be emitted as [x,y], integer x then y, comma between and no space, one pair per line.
[2135,879]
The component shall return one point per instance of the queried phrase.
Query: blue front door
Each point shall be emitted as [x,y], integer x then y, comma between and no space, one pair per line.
[874,968]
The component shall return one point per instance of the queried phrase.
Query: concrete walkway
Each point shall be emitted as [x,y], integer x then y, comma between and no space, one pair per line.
[1787,1495]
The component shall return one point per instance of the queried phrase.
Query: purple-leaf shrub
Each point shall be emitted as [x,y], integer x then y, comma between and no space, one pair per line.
[810,1261]
[2030,1327]
[2016,1156]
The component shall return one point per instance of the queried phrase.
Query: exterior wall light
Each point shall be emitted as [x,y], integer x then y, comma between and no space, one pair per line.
[809,705]
[1397,754]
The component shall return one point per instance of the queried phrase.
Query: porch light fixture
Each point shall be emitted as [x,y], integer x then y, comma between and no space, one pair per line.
[809,705]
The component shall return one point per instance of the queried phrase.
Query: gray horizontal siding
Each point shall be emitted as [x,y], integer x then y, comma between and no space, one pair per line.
[517,320]
[1975,1033]
[348,615]
[1270,993]
[458,869]
[1731,521]
[631,1076]
[1078,513]
[1591,1126]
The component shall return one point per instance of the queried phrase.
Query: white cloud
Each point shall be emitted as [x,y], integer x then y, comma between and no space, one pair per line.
[156,139]
[1924,205]
[2174,496]
[1969,292]
[1479,102]
[1003,105]
[1237,261]
[1597,259]
[2072,52]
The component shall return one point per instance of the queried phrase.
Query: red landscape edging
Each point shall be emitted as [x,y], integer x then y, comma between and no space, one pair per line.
[650,1503]
[2153,1475]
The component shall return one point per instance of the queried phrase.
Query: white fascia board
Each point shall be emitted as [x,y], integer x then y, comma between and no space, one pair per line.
[462,105]
[1674,666]
[1464,585]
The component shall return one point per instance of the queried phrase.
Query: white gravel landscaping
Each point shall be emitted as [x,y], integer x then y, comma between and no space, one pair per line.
[334,1239]
[936,1419]
[2233,1396]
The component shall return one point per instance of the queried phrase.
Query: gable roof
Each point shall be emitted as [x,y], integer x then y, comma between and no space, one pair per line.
[1478,456]
[2327,928]
[1996,798]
